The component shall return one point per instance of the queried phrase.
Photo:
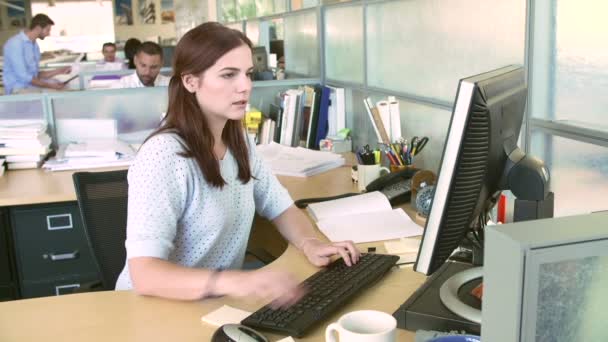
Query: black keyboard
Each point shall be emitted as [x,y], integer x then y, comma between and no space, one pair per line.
[328,290]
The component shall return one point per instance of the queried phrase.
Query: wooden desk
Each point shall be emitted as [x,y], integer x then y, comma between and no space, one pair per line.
[125,316]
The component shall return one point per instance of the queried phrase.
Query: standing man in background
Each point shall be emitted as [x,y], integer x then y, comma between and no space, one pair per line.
[22,57]
[148,61]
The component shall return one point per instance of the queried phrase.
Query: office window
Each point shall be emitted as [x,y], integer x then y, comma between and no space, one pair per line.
[253,31]
[245,9]
[237,26]
[228,8]
[424,47]
[302,44]
[301,4]
[85,32]
[269,7]
[579,172]
[344,48]
[581,62]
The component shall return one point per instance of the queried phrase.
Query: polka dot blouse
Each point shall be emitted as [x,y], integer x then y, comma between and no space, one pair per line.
[175,215]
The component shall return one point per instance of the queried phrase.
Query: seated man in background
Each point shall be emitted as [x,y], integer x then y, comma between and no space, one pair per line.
[22,57]
[109,53]
[148,61]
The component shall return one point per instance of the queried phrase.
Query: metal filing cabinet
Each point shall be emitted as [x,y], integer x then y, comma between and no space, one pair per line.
[53,256]
[8,287]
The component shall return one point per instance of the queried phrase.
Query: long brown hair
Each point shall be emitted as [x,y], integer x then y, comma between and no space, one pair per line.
[197,51]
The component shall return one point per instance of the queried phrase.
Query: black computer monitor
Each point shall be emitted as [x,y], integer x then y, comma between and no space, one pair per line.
[480,158]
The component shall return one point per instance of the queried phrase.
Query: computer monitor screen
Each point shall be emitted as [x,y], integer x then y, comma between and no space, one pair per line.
[483,132]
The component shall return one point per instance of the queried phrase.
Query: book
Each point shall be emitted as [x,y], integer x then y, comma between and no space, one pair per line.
[363,218]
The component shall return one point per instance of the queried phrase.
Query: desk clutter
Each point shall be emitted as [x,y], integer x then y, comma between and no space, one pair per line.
[24,144]
[91,154]
[305,116]
[298,161]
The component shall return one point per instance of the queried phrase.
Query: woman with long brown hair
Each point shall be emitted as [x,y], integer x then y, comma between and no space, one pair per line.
[197,182]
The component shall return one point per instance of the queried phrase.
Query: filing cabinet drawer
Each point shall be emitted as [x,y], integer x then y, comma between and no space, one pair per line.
[56,287]
[50,242]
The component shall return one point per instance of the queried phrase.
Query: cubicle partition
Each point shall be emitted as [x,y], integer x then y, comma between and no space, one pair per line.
[24,107]
[126,114]
[84,78]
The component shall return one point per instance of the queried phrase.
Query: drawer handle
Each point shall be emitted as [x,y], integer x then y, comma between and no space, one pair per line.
[57,222]
[58,257]
[59,288]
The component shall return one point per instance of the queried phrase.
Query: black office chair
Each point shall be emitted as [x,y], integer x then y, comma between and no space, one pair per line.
[102,198]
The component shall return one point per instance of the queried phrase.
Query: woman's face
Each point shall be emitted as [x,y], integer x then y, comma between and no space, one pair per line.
[223,90]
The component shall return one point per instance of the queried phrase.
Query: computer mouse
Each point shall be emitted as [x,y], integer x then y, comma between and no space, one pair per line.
[237,333]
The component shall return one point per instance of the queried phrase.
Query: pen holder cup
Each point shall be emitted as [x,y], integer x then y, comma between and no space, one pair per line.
[397,168]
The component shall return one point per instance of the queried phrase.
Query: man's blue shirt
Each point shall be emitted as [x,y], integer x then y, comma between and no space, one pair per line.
[21,58]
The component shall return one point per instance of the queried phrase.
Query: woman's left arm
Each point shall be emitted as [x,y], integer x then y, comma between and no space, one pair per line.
[298,230]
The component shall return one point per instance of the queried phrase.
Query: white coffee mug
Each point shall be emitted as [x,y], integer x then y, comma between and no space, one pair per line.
[363,326]
[369,173]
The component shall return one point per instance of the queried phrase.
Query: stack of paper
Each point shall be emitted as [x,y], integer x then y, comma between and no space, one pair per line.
[363,218]
[91,154]
[24,143]
[298,161]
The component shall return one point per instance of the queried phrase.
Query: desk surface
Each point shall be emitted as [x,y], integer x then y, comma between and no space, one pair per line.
[125,316]
[37,186]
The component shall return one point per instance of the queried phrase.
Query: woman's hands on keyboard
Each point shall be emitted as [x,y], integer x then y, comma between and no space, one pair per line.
[280,287]
[319,253]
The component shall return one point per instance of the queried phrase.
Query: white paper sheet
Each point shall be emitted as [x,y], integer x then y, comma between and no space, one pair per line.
[369,227]
[364,203]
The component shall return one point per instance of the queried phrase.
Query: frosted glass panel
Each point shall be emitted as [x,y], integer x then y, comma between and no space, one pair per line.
[253,32]
[579,173]
[425,47]
[416,119]
[136,111]
[302,44]
[344,48]
[581,79]
[25,108]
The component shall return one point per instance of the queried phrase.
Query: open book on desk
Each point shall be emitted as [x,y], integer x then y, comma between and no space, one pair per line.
[364,218]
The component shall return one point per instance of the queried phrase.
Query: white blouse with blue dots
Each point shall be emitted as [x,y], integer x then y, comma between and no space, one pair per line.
[175,215]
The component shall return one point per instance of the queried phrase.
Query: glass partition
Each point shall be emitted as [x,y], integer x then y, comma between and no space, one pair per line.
[579,172]
[344,48]
[302,44]
[423,48]
[106,78]
[127,114]
[580,72]
[23,107]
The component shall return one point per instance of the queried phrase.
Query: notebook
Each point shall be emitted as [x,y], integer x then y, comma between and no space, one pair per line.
[364,218]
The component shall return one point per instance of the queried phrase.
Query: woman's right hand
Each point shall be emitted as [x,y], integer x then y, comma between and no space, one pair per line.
[281,288]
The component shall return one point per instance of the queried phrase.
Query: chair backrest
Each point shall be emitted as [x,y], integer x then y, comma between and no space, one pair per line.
[102,198]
